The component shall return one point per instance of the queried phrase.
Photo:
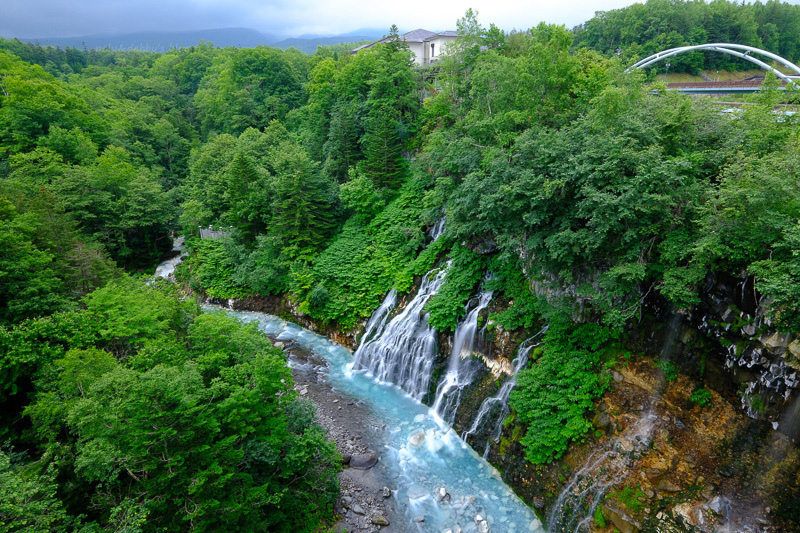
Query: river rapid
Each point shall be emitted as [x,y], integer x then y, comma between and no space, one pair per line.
[438,482]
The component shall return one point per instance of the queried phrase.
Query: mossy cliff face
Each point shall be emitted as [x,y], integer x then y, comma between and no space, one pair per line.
[681,440]
[663,462]
[700,435]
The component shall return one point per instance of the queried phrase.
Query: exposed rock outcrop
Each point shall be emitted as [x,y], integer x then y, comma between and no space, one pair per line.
[620,518]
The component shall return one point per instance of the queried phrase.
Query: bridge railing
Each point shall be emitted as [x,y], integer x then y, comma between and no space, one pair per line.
[737,50]
[215,233]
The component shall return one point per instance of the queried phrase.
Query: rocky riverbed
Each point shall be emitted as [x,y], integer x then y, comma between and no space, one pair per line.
[366,503]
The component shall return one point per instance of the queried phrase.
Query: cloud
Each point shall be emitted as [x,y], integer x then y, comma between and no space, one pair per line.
[338,16]
[58,18]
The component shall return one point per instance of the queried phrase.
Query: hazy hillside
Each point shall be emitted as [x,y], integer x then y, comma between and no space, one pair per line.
[161,41]
[222,37]
[309,45]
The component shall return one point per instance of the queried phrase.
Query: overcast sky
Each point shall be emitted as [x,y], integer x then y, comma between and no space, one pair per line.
[69,18]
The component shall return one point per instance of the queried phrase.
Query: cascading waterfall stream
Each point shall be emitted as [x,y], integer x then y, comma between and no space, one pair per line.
[577,503]
[377,321]
[494,410]
[439,482]
[438,229]
[404,350]
[461,367]
[583,493]
[166,269]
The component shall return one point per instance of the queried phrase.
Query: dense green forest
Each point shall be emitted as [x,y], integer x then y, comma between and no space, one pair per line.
[583,190]
[644,29]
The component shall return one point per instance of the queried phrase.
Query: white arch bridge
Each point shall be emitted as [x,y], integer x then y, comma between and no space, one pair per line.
[737,50]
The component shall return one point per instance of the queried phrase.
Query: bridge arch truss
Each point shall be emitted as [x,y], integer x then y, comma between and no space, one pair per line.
[737,50]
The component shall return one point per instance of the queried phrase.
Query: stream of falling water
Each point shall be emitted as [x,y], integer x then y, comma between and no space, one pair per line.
[577,503]
[461,366]
[494,410]
[166,269]
[403,351]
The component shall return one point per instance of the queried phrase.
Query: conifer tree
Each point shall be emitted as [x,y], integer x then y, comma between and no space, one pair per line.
[342,150]
[248,196]
[302,216]
[383,149]
[393,104]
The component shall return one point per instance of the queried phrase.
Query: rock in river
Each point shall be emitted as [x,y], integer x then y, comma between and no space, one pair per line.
[363,461]
[358,509]
[416,438]
[379,520]
[483,525]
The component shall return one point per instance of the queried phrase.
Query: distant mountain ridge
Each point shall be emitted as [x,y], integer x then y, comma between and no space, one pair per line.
[153,41]
[309,45]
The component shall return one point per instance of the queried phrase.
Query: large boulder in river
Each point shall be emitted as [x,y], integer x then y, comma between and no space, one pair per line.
[363,461]
[416,438]
[356,508]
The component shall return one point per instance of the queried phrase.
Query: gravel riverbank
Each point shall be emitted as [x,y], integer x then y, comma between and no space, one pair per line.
[366,503]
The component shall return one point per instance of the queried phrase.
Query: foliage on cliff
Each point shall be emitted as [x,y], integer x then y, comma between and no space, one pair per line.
[553,395]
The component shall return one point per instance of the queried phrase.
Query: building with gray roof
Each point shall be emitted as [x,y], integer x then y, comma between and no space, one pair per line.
[427,46]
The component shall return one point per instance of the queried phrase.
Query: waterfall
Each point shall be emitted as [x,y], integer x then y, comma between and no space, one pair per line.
[494,410]
[439,483]
[461,368]
[378,319]
[438,229]
[579,500]
[403,351]
[577,503]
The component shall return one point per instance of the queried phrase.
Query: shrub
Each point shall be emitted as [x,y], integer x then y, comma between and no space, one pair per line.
[701,397]
[599,519]
[553,395]
[670,370]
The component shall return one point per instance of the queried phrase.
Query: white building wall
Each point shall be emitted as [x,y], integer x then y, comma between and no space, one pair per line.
[439,47]
[422,52]
[418,49]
